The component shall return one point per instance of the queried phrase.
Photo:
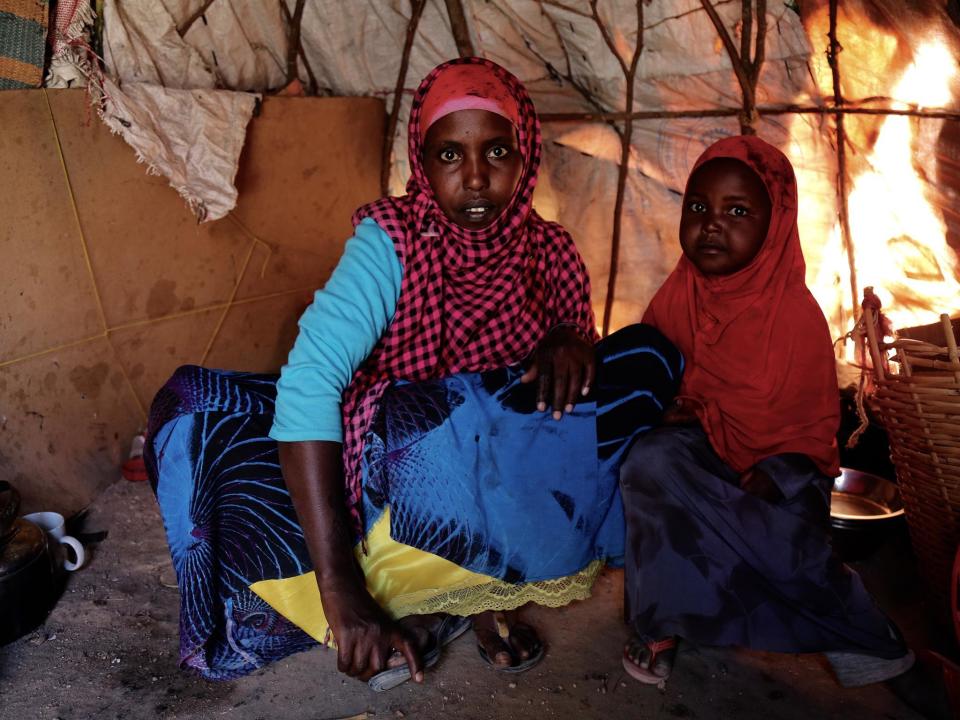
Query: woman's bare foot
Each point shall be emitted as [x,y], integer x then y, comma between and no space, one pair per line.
[506,643]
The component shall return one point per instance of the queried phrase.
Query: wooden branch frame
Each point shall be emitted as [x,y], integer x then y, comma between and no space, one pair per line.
[293,39]
[626,138]
[312,85]
[185,26]
[565,7]
[746,69]
[568,75]
[760,46]
[416,11]
[761,110]
[460,28]
[843,206]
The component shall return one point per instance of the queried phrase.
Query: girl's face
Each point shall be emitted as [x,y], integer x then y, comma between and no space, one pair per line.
[726,213]
[473,163]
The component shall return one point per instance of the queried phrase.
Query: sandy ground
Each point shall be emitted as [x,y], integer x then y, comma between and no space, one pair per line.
[108,650]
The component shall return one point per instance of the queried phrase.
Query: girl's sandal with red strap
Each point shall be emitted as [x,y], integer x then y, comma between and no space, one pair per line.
[664,650]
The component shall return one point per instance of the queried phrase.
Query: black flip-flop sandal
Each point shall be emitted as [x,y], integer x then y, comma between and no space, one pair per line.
[451,627]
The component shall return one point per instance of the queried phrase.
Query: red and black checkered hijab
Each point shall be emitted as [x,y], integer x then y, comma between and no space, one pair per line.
[470,300]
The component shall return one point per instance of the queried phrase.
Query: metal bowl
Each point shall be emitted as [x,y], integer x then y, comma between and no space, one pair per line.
[865,510]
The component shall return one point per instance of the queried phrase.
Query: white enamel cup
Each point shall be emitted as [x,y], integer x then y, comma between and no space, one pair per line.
[53,524]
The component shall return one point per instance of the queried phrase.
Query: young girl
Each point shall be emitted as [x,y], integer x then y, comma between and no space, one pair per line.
[728,505]
[428,489]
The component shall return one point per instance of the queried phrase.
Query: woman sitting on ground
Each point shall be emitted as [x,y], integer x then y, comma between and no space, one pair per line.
[428,488]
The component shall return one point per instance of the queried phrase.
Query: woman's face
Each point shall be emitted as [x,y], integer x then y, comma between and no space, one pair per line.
[473,163]
[726,213]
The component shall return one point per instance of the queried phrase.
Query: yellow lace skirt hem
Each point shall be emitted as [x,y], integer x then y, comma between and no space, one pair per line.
[498,595]
[407,581]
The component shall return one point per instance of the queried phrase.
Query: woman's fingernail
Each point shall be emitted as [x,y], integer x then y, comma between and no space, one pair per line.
[568,408]
[586,390]
[541,406]
[557,414]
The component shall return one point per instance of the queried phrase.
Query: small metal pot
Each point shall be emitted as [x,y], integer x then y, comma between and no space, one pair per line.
[30,579]
[865,510]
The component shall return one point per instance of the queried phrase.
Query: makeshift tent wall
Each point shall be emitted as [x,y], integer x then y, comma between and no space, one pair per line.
[840,87]
[818,78]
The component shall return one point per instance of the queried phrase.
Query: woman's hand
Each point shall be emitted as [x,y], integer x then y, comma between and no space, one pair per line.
[564,366]
[312,471]
[366,637]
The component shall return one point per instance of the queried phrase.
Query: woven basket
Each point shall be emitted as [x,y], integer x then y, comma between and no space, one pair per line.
[920,407]
[23,38]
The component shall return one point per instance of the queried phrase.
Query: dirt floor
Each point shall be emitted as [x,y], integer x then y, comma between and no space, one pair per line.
[109,650]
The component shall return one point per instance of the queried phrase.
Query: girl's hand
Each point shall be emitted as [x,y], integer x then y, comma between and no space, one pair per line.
[681,412]
[563,364]
[758,483]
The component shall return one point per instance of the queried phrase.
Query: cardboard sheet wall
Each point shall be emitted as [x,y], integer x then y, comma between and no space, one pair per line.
[102,304]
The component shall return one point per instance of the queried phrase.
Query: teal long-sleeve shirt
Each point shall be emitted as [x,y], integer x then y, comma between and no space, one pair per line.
[337,333]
